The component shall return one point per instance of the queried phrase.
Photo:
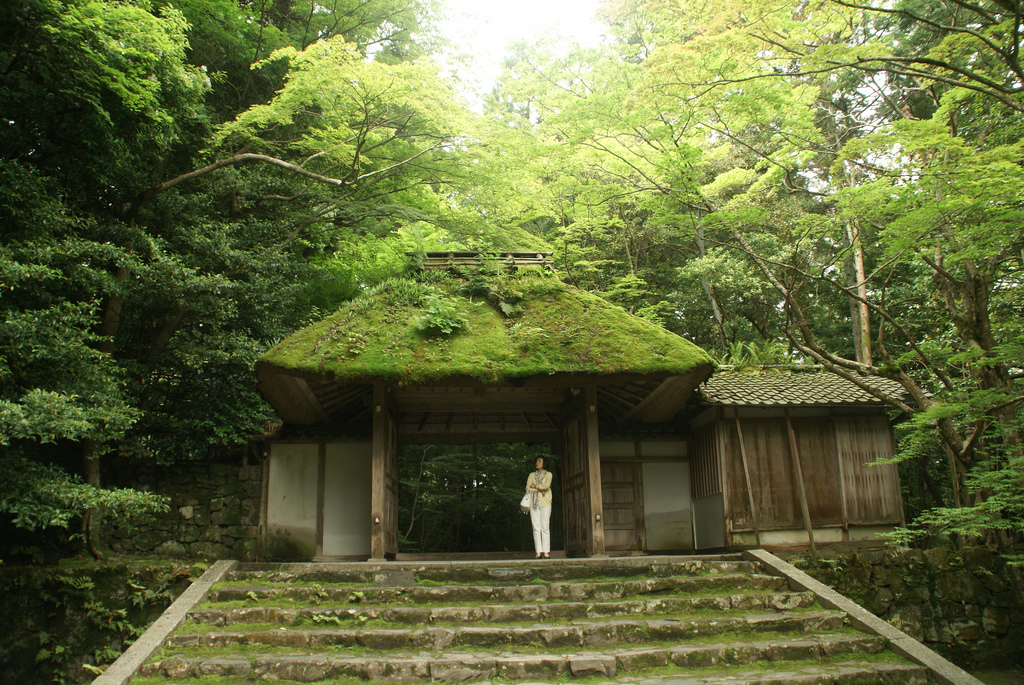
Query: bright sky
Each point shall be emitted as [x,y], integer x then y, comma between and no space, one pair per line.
[484,27]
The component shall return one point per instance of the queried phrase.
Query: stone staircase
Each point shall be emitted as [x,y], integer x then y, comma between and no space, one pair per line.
[627,620]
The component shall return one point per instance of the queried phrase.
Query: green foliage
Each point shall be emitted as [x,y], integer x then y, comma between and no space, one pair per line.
[465,498]
[578,333]
[442,316]
[754,357]
[63,623]
[731,172]
[104,83]
[746,171]
[36,495]
[138,284]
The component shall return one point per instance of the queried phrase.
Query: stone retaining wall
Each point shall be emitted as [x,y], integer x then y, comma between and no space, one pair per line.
[214,512]
[959,603]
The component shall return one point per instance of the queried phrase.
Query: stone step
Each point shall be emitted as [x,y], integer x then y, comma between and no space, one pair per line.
[666,621]
[440,594]
[837,674]
[557,570]
[495,613]
[563,636]
[692,660]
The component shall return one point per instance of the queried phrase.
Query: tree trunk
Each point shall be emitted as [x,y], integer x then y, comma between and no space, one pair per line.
[856,277]
[91,519]
[716,310]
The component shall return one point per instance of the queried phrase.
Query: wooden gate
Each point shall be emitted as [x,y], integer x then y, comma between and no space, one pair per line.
[575,502]
[581,479]
[622,495]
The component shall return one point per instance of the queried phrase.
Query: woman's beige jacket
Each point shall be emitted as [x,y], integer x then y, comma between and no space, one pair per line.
[542,489]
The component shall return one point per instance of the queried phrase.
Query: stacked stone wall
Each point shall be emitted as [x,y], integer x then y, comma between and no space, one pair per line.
[214,512]
[962,604]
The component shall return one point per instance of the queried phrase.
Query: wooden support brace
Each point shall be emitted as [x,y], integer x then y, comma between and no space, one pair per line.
[746,475]
[798,475]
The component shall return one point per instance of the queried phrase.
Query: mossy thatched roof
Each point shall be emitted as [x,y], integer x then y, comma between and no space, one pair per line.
[499,329]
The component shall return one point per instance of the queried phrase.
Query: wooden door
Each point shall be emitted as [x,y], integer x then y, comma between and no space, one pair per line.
[622,492]
[575,492]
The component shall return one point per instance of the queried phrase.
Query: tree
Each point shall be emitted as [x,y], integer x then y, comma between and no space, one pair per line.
[160,230]
[839,177]
[887,181]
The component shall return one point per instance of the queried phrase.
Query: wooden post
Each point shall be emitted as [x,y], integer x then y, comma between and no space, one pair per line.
[746,476]
[723,464]
[798,475]
[261,531]
[378,464]
[593,461]
[321,484]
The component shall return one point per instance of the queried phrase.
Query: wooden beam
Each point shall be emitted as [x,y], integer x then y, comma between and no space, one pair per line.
[609,396]
[668,398]
[746,476]
[638,495]
[798,475]
[471,399]
[549,435]
[593,461]
[378,464]
[291,397]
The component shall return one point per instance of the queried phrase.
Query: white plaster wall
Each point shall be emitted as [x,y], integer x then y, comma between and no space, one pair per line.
[649,449]
[709,518]
[869,532]
[618,448]
[788,537]
[667,448]
[347,500]
[667,512]
[292,500]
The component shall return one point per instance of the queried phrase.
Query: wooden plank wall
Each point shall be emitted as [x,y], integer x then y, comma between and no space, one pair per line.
[705,471]
[575,484]
[816,441]
[872,491]
[775,493]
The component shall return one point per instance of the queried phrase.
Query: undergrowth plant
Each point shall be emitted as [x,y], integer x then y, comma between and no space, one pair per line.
[67,623]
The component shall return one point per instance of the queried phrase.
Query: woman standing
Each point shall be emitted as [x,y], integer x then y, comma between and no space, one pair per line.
[539,486]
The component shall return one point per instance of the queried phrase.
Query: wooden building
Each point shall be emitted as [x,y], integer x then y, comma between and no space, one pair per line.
[791,458]
[532,361]
[646,462]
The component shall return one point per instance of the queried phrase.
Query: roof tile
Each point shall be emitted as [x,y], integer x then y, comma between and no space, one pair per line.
[820,388]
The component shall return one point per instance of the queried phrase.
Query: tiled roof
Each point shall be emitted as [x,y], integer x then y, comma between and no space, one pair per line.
[787,389]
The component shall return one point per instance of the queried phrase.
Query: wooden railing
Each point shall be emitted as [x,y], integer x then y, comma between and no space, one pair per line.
[504,260]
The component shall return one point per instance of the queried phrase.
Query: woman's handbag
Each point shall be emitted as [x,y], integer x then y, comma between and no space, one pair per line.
[524,504]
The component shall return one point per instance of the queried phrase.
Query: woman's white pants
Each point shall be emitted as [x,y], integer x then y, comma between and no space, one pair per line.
[540,518]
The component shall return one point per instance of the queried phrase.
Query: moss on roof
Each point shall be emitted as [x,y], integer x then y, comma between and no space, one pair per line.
[505,327]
